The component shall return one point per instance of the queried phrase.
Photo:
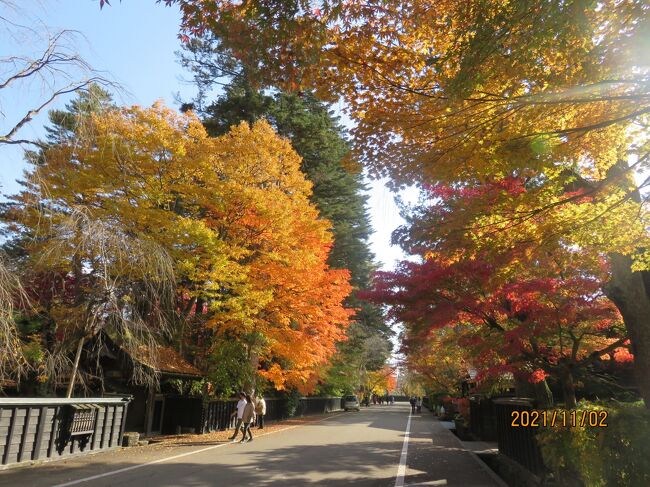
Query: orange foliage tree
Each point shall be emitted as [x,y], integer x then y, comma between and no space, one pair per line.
[248,248]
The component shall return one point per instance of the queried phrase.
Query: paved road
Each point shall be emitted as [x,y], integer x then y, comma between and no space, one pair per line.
[361,449]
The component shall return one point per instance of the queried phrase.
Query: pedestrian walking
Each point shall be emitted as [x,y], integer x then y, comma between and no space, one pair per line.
[418,404]
[248,418]
[239,412]
[260,410]
[412,401]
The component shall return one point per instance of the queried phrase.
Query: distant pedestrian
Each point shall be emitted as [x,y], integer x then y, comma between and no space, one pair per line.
[412,401]
[248,418]
[260,410]
[418,404]
[239,412]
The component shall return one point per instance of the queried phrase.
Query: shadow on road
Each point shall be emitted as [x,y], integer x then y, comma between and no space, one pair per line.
[326,464]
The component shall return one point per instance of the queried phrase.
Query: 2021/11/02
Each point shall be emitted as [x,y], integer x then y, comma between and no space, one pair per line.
[559,417]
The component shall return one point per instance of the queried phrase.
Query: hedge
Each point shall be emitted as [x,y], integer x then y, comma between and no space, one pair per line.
[594,456]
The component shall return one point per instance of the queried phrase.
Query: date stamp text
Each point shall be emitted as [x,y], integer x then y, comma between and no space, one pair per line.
[571,418]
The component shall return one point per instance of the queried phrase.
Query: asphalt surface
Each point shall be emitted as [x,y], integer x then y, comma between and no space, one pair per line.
[354,448]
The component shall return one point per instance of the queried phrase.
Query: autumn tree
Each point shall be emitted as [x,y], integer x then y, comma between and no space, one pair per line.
[462,92]
[303,317]
[521,311]
[557,323]
[318,138]
[436,359]
[411,383]
[337,187]
[381,381]
[248,249]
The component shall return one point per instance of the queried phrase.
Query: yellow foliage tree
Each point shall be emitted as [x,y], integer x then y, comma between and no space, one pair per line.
[232,212]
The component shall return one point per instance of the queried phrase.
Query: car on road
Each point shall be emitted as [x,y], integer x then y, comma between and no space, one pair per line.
[351,402]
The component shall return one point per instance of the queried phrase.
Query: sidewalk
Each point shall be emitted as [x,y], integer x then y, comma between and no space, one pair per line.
[437,457]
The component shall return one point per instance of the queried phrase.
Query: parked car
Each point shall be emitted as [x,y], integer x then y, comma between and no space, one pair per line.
[351,402]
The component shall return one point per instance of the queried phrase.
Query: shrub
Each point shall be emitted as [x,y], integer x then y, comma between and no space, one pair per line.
[290,403]
[616,455]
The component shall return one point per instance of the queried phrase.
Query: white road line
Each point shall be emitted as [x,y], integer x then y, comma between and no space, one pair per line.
[174,457]
[431,482]
[401,470]
[133,467]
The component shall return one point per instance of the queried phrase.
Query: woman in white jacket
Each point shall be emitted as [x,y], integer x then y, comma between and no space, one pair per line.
[248,419]
[260,410]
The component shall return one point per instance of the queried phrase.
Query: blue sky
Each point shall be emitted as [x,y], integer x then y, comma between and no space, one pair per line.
[132,42]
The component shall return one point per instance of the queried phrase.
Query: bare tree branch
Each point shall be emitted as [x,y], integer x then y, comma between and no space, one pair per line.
[13,364]
[56,70]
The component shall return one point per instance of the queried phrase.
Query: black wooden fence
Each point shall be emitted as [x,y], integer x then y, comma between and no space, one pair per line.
[317,405]
[517,442]
[193,414]
[482,419]
[46,428]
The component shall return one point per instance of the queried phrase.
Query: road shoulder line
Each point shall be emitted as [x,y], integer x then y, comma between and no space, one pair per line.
[401,470]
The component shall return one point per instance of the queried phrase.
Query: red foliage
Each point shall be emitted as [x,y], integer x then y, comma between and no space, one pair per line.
[462,406]
[537,376]
[513,322]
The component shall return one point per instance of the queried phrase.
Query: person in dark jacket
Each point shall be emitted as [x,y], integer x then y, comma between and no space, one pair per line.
[413,401]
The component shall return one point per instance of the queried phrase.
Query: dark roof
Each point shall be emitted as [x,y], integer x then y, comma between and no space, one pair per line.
[169,362]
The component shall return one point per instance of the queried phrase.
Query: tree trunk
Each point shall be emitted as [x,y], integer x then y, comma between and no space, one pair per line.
[200,302]
[75,366]
[543,394]
[254,359]
[568,388]
[629,293]
[539,391]
[78,298]
[184,316]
